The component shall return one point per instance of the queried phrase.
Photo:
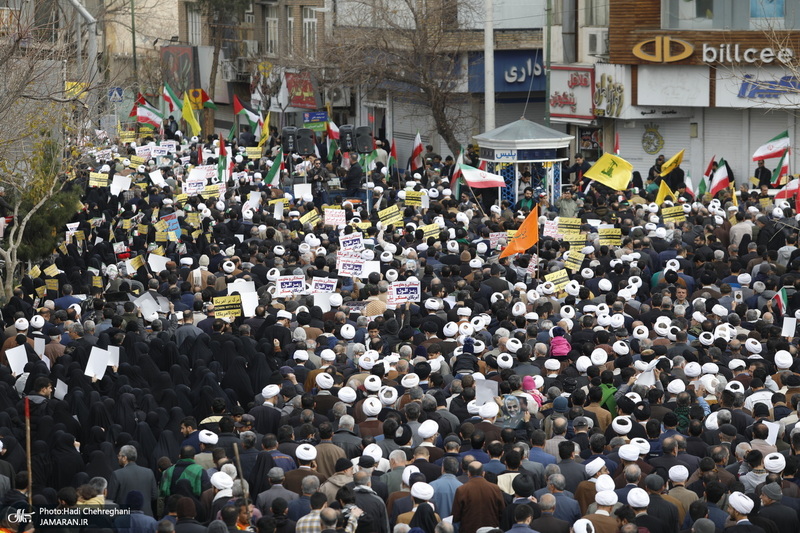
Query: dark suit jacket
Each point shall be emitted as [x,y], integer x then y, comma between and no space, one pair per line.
[134,477]
[550,524]
[744,527]
[665,512]
[652,523]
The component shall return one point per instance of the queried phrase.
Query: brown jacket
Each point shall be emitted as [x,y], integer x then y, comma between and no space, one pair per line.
[477,504]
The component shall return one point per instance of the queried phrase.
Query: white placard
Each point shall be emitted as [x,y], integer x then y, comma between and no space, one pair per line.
[323,301]
[113,356]
[157,262]
[789,326]
[147,304]
[98,361]
[773,427]
[157,178]
[38,345]
[485,391]
[278,210]
[249,303]
[301,189]
[242,286]
[17,359]
[45,360]
[61,390]
[323,285]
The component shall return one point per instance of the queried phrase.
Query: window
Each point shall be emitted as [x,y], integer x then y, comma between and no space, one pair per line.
[271,25]
[596,12]
[722,15]
[289,31]
[310,32]
[194,30]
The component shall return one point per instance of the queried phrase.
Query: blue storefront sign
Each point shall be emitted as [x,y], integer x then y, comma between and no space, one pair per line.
[513,70]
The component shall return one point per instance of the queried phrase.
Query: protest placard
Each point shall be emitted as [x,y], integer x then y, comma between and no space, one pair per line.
[673,214]
[323,285]
[401,292]
[414,198]
[227,306]
[574,261]
[98,179]
[354,241]
[390,216]
[312,217]
[335,217]
[568,224]
[610,236]
[560,278]
[288,285]
[430,230]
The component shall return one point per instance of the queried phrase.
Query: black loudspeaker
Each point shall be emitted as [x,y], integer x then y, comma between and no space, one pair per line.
[364,142]
[347,138]
[305,142]
[289,139]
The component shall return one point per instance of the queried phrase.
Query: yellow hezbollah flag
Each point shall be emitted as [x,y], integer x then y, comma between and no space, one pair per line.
[664,192]
[672,163]
[527,235]
[611,171]
[265,131]
[188,115]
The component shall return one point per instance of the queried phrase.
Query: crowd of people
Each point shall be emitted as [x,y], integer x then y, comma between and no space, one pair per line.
[257,374]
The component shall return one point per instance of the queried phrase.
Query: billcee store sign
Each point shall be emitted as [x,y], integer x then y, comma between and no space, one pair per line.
[667,49]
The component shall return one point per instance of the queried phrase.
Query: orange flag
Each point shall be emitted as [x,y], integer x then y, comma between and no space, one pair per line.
[527,235]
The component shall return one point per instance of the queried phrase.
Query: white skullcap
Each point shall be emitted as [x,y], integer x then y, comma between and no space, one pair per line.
[599,356]
[301,355]
[347,394]
[606,497]
[388,395]
[678,474]
[604,482]
[622,426]
[208,437]
[538,381]
[739,502]
[629,452]
[270,391]
[605,285]
[783,359]
[372,383]
[638,498]
[488,410]
[221,481]
[594,467]
[504,361]
[306,452]
[583,363]
[736,363]
[587,273]
[753,346]
[642,444]
[744,278]
[603,320]
[641,332]
[692,370]
[410,381]
[407,471]
[428,429]
[472,407]
[371,407]
[324,380]
[573,288]
[775,463]
[422,491]
[676,386]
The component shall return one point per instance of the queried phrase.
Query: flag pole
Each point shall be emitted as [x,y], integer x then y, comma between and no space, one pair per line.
[476,199]
[28,449]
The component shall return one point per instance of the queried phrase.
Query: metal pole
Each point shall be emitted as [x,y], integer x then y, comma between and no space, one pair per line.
[133,39]
[488,67]
[547,62]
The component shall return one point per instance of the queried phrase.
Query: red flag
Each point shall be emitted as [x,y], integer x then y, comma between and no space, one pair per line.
[222,151]
[416,153]
[616,143]
[139,101]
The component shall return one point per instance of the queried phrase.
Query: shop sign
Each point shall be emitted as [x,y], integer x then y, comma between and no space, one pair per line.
[571,92]
[666,49]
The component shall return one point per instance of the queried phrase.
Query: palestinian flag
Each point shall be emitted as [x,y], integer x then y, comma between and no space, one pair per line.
[702,187]
[146,113]
[171,100]
[722,178]
[200,99]
[253,118]
[392,162]
[774,147]
[782,170]
[222,162]
[782,300]
[274,175]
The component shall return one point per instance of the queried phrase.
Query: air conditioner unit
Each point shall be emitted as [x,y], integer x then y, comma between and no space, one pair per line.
[338,96]
[228,70]
[597,42]
[250,48]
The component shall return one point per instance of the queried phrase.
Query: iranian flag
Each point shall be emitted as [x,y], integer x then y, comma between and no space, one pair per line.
[253,118]
[171,100]
[782,300]
[782,170]
[788,190]
[721,179]
[145,113]
[416,153]
[689,185]
[702,187]
[774,147]
[479,179]
[274,175]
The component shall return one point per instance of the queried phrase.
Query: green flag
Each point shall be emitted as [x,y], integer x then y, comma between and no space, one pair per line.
[274,175]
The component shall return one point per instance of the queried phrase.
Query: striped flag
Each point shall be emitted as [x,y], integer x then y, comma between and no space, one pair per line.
[782,170]
[722,178]
[782,300]
[416,154]
[274,175]
[171,100]
[773,147]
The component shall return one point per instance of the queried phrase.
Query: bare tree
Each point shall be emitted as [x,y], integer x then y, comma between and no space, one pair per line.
[40,117]
[416,48]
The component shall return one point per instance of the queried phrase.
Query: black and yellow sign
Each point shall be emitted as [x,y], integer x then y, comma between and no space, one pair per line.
[559,278]
[312,217]
[227,306]
[414,198]
[574,261]
[610,237]
[673,214]
[390,216]
[569,225]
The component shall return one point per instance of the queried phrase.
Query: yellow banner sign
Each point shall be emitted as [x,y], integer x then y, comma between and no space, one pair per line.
[560,278]
[227,306]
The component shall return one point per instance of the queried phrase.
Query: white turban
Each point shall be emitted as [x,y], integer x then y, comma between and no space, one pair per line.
[221,481]
[775,463]
[638,498]
[606,497]
[740,502]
